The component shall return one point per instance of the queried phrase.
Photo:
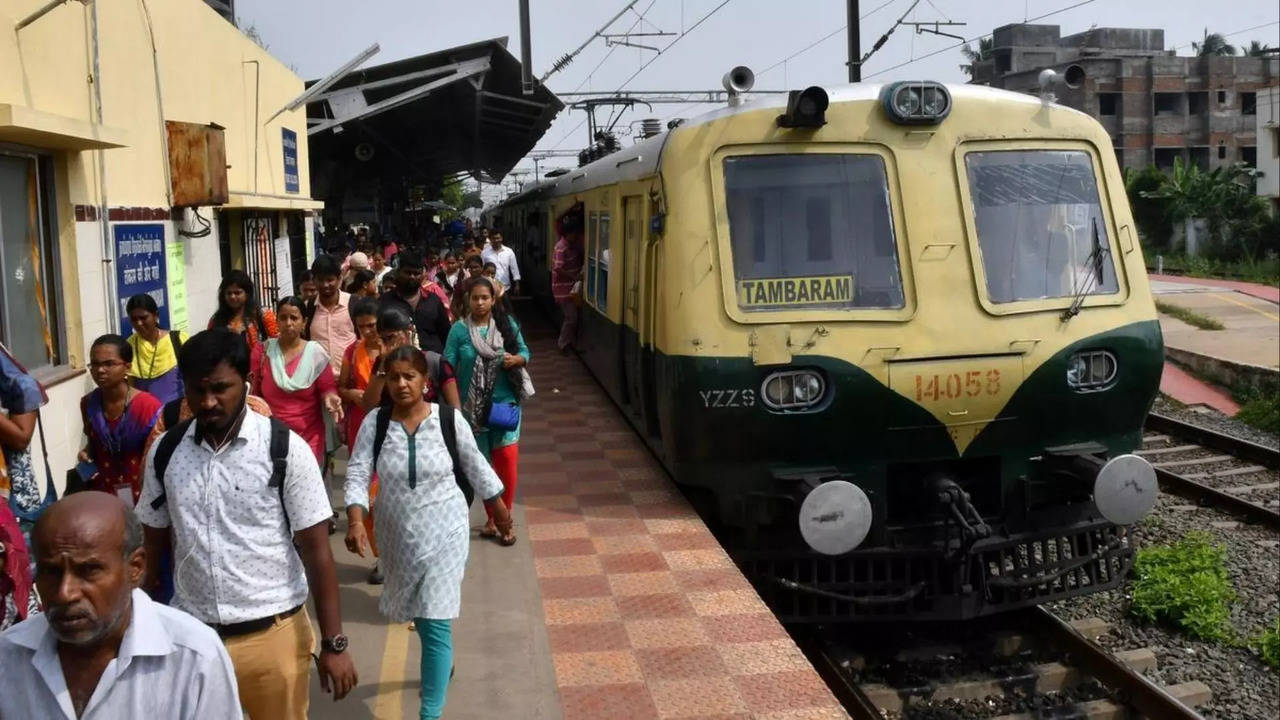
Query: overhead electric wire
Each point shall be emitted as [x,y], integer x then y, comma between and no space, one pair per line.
[641,69]
[588,76]
[825,38]
[679,37]
[607,55]
[885,37]
[801,51]
[977,37]
[568,57]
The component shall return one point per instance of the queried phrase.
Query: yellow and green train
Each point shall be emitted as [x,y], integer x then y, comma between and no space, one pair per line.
[898,338]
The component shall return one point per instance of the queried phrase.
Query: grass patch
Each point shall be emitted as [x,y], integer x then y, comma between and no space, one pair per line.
[1269,645]
[1260,409]
[1259,406]
[1190,317]
[1265,271]
[1184,585]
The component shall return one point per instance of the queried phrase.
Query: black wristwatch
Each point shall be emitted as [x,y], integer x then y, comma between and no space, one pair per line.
[336,644]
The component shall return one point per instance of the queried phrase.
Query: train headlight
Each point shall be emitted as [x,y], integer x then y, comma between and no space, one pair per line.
[1091,371]
[934,101]
[906,102]
[916,103]
[793,390]
[808,388]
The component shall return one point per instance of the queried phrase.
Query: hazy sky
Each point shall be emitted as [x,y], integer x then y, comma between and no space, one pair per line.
[315,36]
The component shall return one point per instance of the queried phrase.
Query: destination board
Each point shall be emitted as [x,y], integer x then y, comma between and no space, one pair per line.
[780,292]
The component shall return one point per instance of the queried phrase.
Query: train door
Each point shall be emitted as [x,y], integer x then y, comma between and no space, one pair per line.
[632,239]
[648,323]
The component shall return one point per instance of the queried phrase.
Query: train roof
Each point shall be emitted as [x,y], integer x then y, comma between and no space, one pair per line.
[641,159]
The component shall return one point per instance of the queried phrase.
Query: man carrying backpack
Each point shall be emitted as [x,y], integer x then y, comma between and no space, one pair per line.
[237,490]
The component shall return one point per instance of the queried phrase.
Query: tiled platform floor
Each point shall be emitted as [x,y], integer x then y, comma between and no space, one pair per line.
[615,604]
[646,615]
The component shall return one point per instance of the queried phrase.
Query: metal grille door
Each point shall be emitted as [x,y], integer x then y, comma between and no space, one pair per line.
[260,258]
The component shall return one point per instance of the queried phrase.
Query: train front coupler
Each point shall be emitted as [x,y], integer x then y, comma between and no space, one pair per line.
[959,515]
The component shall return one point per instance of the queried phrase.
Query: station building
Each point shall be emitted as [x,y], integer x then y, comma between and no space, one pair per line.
[140,151]
[1157,106]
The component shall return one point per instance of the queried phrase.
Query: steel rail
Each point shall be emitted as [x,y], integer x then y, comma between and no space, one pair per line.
[846,691]
[1234,446]
[1132,687]
[1242,449]
[1179,485]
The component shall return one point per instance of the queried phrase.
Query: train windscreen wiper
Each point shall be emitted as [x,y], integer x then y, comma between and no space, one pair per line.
[1095,261]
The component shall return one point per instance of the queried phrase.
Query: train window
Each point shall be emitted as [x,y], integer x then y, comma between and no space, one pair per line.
[598,257]
[812,231]
[592,253]
[602,265]
[1040,225]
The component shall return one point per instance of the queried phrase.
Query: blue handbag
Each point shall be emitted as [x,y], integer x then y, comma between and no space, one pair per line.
[503,417]
[28,517]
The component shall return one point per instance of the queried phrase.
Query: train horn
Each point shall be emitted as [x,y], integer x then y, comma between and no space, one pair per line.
[1071,78]
[737,81]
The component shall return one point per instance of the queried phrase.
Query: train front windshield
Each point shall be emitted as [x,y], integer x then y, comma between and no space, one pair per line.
[1040,226]
[812,232]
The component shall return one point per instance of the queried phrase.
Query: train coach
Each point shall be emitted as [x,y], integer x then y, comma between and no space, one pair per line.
[898,338]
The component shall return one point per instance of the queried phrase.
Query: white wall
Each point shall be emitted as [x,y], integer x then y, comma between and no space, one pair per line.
[204,272]
[1268,119]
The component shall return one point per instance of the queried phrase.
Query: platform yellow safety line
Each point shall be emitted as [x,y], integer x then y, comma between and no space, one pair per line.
[392,673]
[1260,311]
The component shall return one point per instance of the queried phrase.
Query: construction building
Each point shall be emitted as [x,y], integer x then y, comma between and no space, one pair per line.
[1156,105]
[141,151]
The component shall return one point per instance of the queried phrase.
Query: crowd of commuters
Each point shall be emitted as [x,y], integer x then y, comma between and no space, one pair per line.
[197,520]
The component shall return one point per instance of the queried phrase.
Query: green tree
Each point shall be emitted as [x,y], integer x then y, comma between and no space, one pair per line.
[985,46]
[1255,49]
[1155,228]
[1238,221]
[1213,44]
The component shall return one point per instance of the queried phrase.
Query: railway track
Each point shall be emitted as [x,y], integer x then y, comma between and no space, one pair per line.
[1214,469]
[1191,462]
[1039,663]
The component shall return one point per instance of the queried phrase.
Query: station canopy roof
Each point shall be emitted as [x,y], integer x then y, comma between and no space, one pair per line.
[428,118]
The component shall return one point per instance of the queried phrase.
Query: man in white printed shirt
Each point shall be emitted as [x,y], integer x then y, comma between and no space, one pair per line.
[504,258]
[102,649]
[235,565]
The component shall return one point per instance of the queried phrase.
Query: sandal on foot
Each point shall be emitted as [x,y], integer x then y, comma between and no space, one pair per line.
[507,540]
[489,531]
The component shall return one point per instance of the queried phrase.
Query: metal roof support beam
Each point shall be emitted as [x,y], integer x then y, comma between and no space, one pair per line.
[510,99]
[465,70]
[397,80]
[522,127]
[475,126]
[491,110]
[311,92]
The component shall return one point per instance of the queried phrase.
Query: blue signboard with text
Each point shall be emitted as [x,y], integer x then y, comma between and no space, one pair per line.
[290,160]
[140,269]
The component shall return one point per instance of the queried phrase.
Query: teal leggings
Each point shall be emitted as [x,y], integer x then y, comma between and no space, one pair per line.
[437,664]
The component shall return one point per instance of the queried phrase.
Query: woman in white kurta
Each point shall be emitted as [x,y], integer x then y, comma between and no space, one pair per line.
[422,522]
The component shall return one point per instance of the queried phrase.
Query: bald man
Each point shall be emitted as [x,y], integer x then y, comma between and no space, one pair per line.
[102,649]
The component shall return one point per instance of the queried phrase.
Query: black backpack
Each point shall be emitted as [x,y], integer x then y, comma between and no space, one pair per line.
[448,416]
[168,442]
